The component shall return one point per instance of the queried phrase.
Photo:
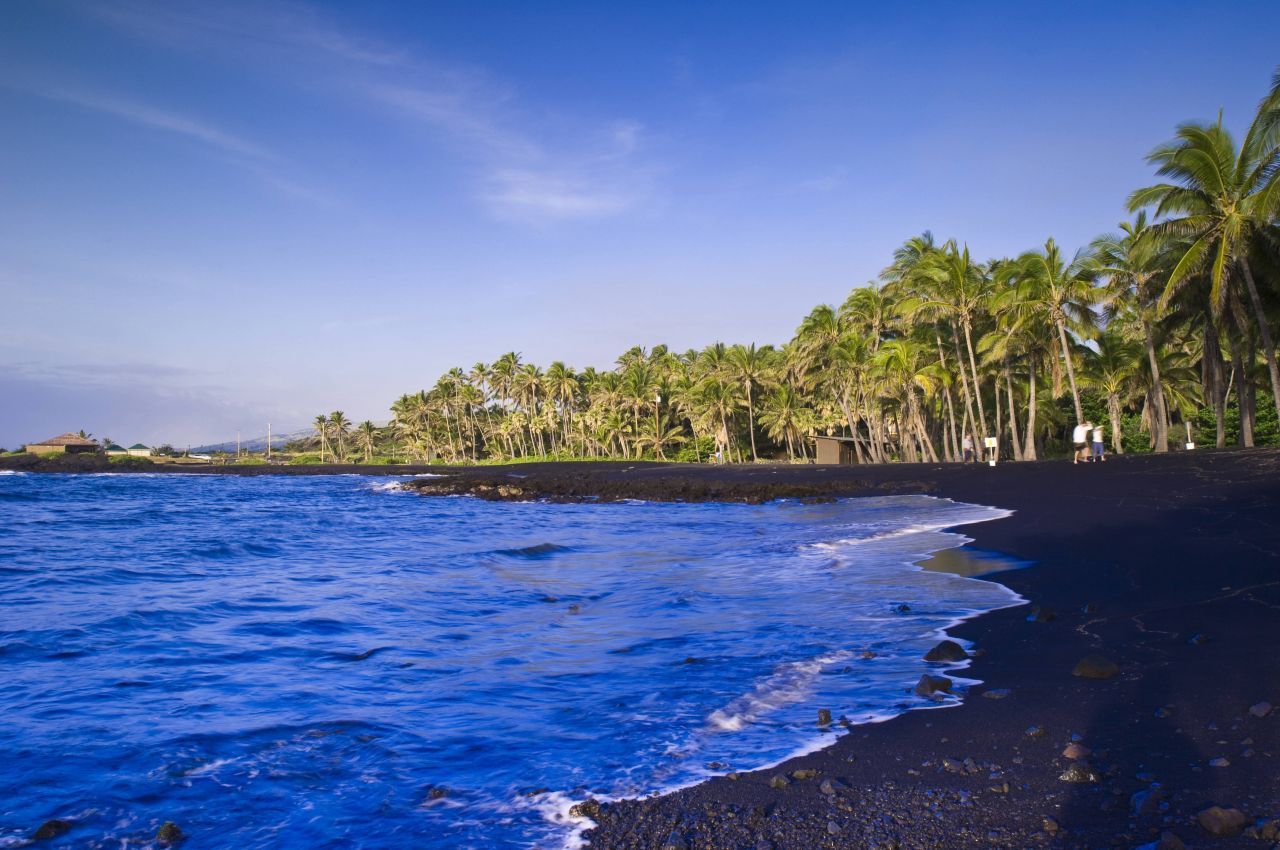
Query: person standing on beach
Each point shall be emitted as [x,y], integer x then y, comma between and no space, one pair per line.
[968,448]
[1080,437]
[1099,448]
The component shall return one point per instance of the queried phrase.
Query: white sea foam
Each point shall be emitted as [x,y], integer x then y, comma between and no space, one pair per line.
[788,684]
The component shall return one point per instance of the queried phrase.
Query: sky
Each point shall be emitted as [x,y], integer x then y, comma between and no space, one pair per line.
[218,215]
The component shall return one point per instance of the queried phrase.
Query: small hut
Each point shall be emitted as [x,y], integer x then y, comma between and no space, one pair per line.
[834,450]
[114,450]
[139,450]
[67,443]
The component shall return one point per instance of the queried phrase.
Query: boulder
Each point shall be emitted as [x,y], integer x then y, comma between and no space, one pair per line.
[1095,667]
[1221,822]
[588,808]
[948,650]
[169,833]
[51,829]
[929,686]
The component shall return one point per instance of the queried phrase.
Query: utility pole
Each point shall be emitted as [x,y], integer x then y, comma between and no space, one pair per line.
[268,441]
[237,444]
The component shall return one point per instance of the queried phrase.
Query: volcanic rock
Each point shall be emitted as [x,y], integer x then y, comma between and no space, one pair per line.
[930,685]
[948,650]
[51,829]
[1221,822]
[1095,667]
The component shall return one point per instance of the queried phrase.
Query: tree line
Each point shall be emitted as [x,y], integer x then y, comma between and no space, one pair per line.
[1165,322]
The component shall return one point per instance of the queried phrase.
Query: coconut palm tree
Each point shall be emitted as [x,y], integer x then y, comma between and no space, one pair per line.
[1218,199]
[1065,293]
[367,438]
[748,366]
[339,425]
[321,424]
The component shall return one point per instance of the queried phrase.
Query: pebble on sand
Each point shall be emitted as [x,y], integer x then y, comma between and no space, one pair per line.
[1095,667]
[1076,752]
[1219,762]
[1221,822]
[1260,709]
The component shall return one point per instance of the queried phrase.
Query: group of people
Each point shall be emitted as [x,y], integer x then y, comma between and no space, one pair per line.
[1087,437]
[1089,447]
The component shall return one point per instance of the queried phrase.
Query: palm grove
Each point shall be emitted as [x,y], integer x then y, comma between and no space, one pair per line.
[1162,325]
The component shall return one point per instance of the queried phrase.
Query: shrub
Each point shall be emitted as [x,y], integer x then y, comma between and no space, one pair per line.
[300,460]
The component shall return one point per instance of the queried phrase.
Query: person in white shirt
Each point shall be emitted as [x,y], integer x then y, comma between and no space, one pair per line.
[1099,448]
[1080,437]
[968,449]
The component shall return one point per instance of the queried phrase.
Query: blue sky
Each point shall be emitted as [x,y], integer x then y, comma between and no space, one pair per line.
[214,215]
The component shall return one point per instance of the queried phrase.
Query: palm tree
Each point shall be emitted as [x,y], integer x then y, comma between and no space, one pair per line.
[1133,263]
[748,365]
[321,424]
[1065,293]
[1218,200]
[367,437]
[339,425]
[1112,369]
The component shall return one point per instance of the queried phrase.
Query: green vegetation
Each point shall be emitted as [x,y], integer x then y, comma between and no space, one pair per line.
[1158,331]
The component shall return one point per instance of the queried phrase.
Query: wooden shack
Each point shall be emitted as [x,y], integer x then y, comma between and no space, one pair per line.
[834,450]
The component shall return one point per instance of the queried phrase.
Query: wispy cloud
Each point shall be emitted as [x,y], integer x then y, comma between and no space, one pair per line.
[156,119]
[519,173]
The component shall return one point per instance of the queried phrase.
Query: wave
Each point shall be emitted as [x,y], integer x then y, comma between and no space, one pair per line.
[790,683]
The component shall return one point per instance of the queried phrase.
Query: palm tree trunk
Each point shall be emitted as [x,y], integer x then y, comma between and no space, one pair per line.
[1239,378]
[952,447]
[751,423]
[1013,412]
[977,388]
[964,381]
[1113,410]
[1071,369]
[1157,387]
[1215,388]
[1029,451]
[1264,328]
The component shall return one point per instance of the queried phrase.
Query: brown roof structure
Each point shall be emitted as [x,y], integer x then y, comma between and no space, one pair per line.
[67,439]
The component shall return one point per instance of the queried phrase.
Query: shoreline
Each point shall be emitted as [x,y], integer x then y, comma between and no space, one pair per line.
[1118,555]
[1169,566]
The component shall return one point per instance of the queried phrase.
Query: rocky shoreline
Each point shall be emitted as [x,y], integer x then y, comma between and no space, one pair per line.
[1129,705]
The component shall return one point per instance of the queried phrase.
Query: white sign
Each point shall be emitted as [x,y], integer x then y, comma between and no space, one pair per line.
[992,442]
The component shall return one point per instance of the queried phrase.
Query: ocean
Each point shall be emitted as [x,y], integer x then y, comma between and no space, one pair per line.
[324,662]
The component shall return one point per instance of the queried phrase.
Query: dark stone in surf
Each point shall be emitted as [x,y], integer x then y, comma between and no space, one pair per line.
[930,686]
[824,717]
[169,833]
[588,808]
[51,829]
[1096,667]
[948,650]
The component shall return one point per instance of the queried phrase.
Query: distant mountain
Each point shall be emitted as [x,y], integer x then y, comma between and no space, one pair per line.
[256,444]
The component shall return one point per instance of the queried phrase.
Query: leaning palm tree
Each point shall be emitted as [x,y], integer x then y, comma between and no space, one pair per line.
[1218,199]
[1112,369]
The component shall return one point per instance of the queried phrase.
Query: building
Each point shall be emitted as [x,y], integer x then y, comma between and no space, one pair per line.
[68,443]
[116,451]
[834,450]
[139,450]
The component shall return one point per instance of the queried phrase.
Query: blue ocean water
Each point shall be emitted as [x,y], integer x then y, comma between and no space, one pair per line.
[320,662]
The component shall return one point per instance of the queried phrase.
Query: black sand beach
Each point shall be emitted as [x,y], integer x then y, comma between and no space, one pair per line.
[1167,567]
